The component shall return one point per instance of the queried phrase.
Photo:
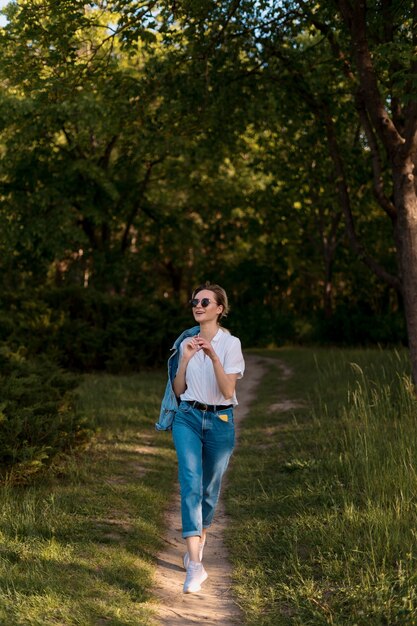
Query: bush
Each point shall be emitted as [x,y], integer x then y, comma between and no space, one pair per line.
[37,417]
[99,331]
[259,326]
[351,326]
[87,330]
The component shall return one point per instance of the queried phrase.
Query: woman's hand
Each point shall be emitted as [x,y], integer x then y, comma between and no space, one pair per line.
[190,348]
[206,346]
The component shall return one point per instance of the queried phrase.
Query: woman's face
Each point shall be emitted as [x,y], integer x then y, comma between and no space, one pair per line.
[206,309]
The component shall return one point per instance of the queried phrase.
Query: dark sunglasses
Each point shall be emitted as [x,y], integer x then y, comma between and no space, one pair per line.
[204,302]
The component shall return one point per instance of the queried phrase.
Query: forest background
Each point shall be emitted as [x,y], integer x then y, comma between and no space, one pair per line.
[146,147]
[149,146]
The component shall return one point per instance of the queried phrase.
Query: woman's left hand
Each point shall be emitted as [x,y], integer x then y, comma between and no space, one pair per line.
[207,348]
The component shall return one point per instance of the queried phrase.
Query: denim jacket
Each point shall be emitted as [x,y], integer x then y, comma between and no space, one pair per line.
[169,404]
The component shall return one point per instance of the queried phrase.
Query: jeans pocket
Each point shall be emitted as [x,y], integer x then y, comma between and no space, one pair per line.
[225,416]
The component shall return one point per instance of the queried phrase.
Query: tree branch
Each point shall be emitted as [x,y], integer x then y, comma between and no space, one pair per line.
[378,181]
[344,200]
[105,158]
[355,19]
[88,228]
[137,205]
[231,13]
[328,33]
[322,114]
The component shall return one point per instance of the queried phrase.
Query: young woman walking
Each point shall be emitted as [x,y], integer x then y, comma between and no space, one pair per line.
[208,363]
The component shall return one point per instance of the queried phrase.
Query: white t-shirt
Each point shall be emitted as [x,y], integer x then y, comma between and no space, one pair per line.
[200,378]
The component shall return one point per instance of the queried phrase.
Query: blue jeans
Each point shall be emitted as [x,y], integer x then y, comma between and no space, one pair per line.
[204,442]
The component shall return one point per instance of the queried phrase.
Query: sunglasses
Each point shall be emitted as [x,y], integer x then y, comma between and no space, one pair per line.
[204,302]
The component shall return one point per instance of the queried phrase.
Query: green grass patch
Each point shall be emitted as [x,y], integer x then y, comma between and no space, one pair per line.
[78,546]
[323,497]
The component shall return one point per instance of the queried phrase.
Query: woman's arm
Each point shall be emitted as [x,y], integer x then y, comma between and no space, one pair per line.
[226,382]
[179,385]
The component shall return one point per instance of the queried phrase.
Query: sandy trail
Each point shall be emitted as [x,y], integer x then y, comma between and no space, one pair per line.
[214,604]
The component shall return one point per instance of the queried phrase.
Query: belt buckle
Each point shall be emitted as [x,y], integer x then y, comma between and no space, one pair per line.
[204,407]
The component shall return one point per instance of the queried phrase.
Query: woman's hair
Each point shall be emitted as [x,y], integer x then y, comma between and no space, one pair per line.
[221,297]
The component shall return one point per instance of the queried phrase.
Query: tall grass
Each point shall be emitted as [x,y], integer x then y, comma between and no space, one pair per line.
[324,528]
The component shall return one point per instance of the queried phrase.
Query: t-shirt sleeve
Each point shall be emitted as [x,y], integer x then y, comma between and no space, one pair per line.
[234,362]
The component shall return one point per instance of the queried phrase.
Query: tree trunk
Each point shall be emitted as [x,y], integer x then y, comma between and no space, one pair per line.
[328,291]
[406,236]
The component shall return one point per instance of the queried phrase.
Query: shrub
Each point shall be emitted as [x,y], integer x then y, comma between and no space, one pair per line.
[101,331]
[37,416]
[87,330]
[351,326]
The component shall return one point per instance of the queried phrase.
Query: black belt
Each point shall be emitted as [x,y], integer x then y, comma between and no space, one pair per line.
[208,407]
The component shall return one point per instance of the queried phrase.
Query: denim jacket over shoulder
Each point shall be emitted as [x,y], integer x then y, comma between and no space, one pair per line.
[169,404]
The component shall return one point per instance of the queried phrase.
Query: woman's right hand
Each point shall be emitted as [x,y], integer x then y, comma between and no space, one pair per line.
[190,348]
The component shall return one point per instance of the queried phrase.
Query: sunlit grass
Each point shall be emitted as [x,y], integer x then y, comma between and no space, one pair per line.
[323,504]
[78,546]
[323,498]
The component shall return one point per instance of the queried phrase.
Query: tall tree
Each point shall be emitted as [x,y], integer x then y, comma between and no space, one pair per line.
[363,54]
[388,111]
[374,42]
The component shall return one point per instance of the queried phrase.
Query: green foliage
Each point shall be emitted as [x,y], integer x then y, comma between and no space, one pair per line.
[89,330]
[37,416]
[359,325]
[145,148]
[103,331]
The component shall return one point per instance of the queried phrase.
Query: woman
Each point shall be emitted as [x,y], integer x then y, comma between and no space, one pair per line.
[209,363]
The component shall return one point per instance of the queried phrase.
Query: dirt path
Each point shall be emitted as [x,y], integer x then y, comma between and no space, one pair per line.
[214,604]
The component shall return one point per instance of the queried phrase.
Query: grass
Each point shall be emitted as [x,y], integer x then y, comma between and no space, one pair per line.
[78,546]
[323,502]
[323,497]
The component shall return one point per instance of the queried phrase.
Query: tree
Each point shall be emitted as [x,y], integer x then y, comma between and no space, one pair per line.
[156,144]
[374,44]
[384,68]
[358,60]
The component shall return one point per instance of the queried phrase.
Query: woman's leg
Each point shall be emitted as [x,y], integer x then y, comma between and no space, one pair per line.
[193,548]
[186,431]
[188,445]
[218,444]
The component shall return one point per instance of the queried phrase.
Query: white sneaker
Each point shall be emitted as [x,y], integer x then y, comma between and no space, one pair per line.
[196,574]
[186,557]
